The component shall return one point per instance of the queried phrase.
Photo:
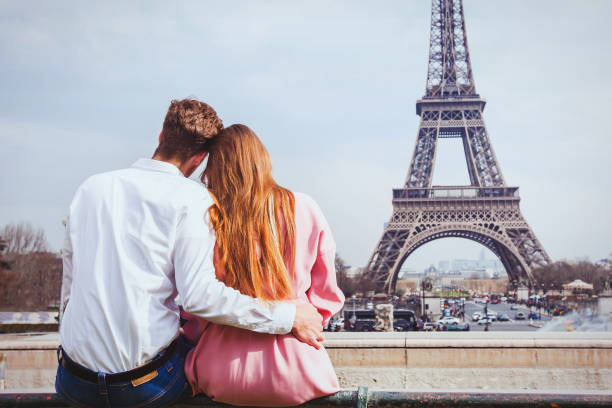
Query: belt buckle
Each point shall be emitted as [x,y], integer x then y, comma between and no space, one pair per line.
[144,379]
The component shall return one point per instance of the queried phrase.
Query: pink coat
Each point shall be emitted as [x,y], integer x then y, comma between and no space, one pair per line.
[241,367]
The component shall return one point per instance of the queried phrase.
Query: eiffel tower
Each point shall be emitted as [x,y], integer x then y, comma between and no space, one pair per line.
[487,211]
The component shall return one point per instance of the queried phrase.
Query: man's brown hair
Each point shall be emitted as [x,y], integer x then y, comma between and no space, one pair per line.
[188,127]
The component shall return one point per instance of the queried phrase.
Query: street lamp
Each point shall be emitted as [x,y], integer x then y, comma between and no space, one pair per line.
[486,312]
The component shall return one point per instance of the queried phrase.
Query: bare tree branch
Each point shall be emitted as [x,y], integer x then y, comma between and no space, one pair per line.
[22,238]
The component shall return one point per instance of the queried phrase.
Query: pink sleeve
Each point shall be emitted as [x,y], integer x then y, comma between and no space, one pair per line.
[324,293]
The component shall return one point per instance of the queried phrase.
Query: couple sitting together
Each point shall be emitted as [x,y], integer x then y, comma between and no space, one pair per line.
[250,262]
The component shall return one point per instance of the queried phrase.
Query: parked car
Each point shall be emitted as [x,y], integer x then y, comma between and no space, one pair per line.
[485,320]
[365,320]
[476,316]
[533,315]
[520,316]
[503,318]
[492,315]
[458,327]
[403,325]
[447,320]
[335,325]
[430,326]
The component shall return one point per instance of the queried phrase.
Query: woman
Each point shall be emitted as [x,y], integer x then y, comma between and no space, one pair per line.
[274,245]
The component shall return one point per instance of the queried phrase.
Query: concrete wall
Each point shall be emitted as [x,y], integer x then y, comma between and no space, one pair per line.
[414,361]
[474,360]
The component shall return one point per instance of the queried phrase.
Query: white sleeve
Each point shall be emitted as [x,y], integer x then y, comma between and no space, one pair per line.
[205,296]
[66,270]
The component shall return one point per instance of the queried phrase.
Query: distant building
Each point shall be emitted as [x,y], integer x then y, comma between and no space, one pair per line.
[605,263]
[449,281]
[479,273]
[431,271]
[463,264]
[405,273]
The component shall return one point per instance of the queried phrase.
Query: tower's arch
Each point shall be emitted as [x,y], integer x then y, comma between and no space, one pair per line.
[511,262]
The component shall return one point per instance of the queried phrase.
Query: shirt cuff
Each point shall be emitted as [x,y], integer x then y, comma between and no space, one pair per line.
[284,313]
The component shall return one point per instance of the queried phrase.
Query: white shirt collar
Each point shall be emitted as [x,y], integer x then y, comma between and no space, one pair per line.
[157,165]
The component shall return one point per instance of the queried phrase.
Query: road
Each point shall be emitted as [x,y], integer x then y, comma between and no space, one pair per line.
[501,308]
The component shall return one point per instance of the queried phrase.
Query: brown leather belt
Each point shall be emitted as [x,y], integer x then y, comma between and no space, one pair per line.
[123,377]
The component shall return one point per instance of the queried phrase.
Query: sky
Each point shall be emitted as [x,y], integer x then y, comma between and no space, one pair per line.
[329,87]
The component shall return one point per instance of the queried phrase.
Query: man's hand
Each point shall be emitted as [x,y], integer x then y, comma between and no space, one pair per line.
[308,325]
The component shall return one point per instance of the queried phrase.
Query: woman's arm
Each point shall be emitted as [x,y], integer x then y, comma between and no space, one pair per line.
[324,293]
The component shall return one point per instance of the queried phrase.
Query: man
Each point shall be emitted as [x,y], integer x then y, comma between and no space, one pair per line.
[135,239]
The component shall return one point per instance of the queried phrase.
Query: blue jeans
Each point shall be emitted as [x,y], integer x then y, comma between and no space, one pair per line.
[165,389]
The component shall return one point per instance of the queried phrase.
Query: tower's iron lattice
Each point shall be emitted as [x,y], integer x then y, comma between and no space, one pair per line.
[488,210]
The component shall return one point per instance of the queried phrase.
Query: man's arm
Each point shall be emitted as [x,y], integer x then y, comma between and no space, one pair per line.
[205,296]
[66,270]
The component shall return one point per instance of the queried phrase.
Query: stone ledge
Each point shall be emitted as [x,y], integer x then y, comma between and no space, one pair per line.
[353,340]
[526,361]
[478,340]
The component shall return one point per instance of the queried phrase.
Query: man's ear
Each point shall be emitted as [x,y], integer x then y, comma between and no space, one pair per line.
[199,158]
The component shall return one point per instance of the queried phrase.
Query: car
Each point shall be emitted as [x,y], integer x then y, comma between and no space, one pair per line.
[503,318]
[504,299]
[430,326]
[458,327]
[403,325]
[446,320]
[485,320]
[364,320]
[335,325]
[520,316]
[492,315]
[495,301]
[514,307]
[476,316]
[533,315]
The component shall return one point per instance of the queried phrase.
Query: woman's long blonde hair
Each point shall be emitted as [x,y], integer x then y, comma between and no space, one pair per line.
[253,217]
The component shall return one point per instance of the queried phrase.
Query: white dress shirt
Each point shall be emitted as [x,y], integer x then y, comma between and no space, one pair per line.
[136,238]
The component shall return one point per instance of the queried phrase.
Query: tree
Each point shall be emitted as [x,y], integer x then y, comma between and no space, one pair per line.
[341,275]
[3,264]
[22,238]
[7,276]
[345,283]
[364,284]
[351,285]
[34,278]
[555,275]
